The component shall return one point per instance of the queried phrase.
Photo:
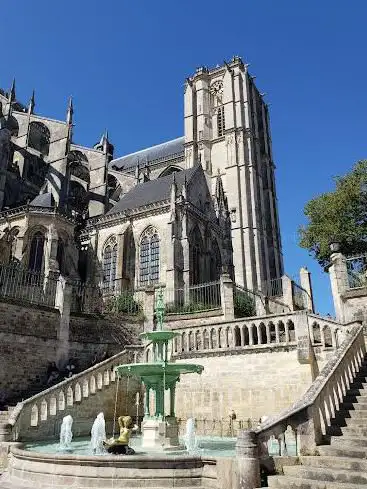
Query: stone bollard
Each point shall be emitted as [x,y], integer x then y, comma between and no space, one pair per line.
[247,459]
[5,432]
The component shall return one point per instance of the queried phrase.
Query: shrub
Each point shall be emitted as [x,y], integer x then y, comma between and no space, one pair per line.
[244,305]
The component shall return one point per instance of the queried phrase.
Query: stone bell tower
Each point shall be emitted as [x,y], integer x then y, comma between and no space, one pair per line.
[227,130]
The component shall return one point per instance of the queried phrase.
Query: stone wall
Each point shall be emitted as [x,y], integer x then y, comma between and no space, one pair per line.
[258,382]
[29,341]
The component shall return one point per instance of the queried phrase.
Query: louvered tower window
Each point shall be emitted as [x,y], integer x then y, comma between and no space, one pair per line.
[221,123]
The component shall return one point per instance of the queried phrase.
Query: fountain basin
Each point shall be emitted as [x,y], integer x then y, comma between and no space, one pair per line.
[151,370]
[80,471]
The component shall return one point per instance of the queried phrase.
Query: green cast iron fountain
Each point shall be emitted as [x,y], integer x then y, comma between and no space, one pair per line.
[158,428]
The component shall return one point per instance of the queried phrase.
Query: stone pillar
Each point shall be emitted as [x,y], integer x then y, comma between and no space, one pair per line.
[287,292]
[304,347]
[51,244]
[305,282]
[247,461]
[149,309]
[260,305]
[339,283]
[120,260]
[63,303]
[226,295]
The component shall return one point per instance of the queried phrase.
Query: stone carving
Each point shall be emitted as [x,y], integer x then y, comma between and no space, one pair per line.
[230,149]
[216,88]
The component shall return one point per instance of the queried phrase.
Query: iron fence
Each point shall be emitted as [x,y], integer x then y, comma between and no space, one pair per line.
[109,298]
[357,271]
[244,302]
[26,285]
[193,299]
[222,427]
[273,287]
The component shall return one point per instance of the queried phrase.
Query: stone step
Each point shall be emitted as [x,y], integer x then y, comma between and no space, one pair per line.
[360,414]
[344,463]
[354,441]
[358,384]
[354,406]
[340,451]
[326,474]
[282,482]
[357,392]
[356,422]
[358,431]
[349,398]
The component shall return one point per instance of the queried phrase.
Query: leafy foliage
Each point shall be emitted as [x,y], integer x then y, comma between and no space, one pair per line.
[244,305]
[338,216]
[189,307]
[123,304]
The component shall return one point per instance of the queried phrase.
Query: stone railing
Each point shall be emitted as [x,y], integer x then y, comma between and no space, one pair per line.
[248,333]
[257,332]
[35,411]
[299,429]
[325,332]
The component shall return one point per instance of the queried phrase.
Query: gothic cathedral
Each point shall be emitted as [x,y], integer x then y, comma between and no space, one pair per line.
[177,214]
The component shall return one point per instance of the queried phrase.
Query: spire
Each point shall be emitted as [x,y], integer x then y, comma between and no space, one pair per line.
[137,172]
[70,112]
[31,104]
[11,97]
[184,189]
[105,141]
[219,190]
[173,197]
[220,202]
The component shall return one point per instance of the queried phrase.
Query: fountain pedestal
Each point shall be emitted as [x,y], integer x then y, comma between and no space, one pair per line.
[159,433]
[159,429]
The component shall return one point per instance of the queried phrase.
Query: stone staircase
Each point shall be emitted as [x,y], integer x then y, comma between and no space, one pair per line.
[342,463]
[83,396]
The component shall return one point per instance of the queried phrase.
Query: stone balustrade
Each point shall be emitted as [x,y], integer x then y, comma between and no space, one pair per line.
[46,407]
[254,332]
[325,332]
[249,332]
[300,428]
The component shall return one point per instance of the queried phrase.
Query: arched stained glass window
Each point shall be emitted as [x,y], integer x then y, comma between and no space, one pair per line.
[149,257]
[36,252]
[39,137]
[109,264]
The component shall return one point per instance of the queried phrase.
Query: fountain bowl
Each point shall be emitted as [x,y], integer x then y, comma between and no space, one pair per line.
[46,470]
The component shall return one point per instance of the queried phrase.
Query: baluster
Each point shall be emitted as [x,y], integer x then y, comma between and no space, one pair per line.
[251,335]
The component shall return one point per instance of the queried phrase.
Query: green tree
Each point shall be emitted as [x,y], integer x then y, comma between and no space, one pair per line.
[338,216]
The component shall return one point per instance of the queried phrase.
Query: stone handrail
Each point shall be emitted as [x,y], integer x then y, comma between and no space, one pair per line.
[307,419]
[72,390]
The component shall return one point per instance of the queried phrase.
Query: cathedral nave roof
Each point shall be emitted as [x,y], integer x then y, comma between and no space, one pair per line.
[163,150]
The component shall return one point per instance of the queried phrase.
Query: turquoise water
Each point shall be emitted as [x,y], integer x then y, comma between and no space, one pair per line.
[208,446]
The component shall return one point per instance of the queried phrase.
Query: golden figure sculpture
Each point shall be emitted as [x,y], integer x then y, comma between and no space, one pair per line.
[120,445]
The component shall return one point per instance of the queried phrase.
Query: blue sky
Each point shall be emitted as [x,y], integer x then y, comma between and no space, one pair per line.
[125,63]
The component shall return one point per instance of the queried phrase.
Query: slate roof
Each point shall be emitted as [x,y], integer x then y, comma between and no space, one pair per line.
[163,150]
[43,200]
[152,191]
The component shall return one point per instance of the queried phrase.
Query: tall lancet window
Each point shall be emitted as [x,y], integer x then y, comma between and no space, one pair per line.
[221,123]
[36,252]
[149,257]
[109,262]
